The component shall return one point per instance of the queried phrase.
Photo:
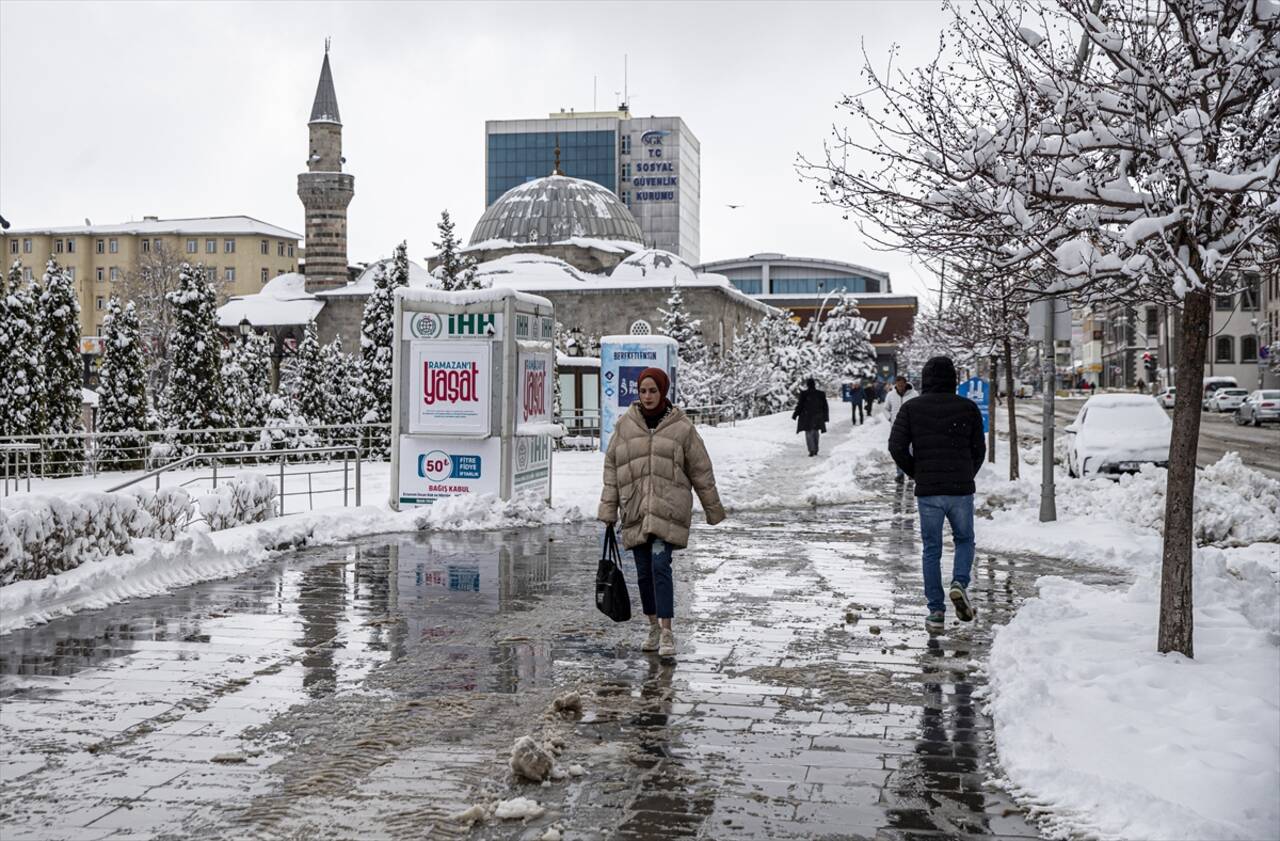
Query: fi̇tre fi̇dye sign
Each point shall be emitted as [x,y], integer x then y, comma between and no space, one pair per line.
[449,387]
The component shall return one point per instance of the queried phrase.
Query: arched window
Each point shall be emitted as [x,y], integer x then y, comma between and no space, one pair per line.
[640,328]
[1248,348]
[1223,350]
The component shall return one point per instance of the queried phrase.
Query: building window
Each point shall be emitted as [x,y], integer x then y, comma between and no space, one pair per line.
[1153,321]
[101,246]
[211,274]
[193,246]
[13,247]
[265,274]
[1249,296]
[57,246]
[146,246]
[265,247]
[100,274]
[626,172]
[26,274]
[640,327]
[626,197]
[115,274]
[229,275]
[26,246]
[113,245]
[1248,348]
[626,144]
[228,246]
[1223,302]
[71,246]
[279,249]
[211,246]
[97,303]
[749,285]
[1223,350]
[71,272]
[279,272]
[290,250]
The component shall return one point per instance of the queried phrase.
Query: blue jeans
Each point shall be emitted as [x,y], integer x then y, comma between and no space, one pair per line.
[653,578]
[958,511]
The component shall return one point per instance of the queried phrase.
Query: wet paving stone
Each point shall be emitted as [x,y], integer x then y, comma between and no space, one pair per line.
[374,691]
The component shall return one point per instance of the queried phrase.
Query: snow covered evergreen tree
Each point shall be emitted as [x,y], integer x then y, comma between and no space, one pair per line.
[456,271]
[845,340]
[122,390]
[59,331]
[686,330]
[21,373]
[246,379]
[376,334]
[305,379]
[342,409]
[194,397]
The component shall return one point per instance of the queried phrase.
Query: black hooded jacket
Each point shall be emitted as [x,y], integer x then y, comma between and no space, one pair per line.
[937,437]
[811,410]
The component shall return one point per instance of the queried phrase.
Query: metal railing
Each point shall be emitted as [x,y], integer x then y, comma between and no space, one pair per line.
[581,429]
[351,480]
[713,415]
[56,456]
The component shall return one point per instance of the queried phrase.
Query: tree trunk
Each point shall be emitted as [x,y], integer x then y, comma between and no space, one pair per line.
[992,402]
[1013,415]
[1176,619]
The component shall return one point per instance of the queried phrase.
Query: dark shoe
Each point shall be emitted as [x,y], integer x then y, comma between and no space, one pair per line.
[960,598]
[936,622]
[900,478]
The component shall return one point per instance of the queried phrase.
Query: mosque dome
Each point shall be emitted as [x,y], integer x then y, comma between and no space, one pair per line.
[556,209]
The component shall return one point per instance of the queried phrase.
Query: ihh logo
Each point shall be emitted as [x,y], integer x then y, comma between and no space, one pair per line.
[426,325]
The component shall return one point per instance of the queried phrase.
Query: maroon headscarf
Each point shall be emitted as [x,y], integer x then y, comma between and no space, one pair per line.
[663,382]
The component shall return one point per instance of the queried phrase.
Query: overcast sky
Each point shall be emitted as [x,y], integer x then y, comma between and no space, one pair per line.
[115,110]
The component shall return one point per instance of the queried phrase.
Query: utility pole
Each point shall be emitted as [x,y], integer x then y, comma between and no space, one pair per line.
[1049,374]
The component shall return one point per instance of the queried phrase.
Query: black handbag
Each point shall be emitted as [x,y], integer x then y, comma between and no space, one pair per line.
[612,597]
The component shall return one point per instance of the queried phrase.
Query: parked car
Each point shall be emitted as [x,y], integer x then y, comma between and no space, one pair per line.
[1117,433]
[1262,406]
[1165,398]
[1227,399]
[1212,384]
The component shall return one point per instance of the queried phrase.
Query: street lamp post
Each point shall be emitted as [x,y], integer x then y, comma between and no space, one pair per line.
[246,329]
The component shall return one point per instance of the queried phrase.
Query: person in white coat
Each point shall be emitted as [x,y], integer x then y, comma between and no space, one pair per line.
[899,394]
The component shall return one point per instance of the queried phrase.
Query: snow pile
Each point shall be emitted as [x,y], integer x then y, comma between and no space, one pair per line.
[1103,736]
[249,498]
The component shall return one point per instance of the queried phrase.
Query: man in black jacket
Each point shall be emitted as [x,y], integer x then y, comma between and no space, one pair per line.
[811,415]
[937,440]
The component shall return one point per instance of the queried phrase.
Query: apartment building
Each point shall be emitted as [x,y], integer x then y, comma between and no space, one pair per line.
[240,253]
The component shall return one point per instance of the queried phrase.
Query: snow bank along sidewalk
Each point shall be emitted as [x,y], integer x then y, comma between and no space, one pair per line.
[1097,732]
[760,464]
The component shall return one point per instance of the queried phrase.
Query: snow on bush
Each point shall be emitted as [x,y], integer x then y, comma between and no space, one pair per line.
[46,535]
[249,498]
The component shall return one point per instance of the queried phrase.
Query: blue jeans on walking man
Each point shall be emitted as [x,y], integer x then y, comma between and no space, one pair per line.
[653,578]
[958,511]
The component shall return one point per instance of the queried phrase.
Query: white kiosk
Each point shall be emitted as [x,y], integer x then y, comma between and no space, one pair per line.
[471,395]
[622,358]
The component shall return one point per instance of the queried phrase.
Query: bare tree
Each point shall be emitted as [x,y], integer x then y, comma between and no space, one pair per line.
[148,284]
[1139,164]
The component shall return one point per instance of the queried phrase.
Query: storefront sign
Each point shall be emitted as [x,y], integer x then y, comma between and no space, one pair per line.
[439,468]
[977,390]
[449,386]
[434,325]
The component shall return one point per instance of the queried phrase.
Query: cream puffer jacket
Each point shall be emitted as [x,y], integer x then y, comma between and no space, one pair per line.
[651,476]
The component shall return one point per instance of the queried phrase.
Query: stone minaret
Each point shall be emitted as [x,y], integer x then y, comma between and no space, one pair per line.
[326,190]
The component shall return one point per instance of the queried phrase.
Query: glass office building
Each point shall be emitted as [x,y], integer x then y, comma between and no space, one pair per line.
[653,164]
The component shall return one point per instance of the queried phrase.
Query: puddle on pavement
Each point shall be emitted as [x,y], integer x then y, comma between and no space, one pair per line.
[341,610]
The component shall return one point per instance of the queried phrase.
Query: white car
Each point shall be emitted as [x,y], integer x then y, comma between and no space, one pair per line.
[1227,399]
[1165,398]
[1117,433]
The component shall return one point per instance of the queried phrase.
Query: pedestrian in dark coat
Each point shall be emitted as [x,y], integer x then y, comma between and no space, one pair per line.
[869,395]
[937,440]
[811,415]
[858,399]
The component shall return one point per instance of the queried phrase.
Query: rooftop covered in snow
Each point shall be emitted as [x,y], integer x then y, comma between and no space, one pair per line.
[554,209]
[152,225]
[283,302]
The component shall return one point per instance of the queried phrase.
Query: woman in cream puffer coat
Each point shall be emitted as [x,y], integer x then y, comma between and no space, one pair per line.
[655,462]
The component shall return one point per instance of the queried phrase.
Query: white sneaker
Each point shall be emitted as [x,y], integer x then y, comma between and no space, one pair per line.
[651,641]
[667,646]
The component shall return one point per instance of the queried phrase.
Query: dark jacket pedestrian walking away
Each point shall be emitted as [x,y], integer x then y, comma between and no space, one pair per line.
[937,440]
[811,414]
[655,461]
[858,399]
[869,395]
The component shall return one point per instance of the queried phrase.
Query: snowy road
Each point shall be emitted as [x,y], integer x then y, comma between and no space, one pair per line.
[373,691]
